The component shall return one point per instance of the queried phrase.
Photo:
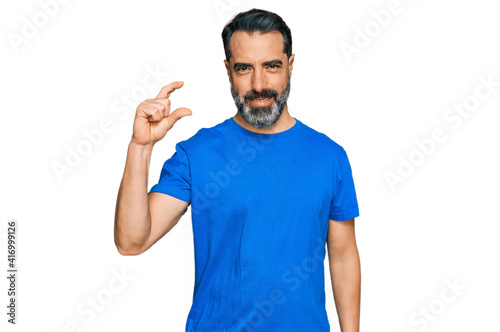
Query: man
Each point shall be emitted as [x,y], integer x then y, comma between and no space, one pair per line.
[266,193]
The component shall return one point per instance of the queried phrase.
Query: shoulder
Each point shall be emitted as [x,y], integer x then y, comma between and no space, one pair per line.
[205,136]
[322,142]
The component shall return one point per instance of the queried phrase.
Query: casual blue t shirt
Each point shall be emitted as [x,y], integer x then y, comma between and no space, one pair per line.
[260,206]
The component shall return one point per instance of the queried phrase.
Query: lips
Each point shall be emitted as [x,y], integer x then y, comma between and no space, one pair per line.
[260,99]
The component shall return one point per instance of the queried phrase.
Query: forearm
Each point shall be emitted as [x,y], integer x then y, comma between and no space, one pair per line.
[346,282]
[132,215]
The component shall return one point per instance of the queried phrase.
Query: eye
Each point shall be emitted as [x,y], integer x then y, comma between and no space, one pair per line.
[274,67]
[240,69]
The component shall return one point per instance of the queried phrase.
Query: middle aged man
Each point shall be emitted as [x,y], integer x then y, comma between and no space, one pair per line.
[266,193]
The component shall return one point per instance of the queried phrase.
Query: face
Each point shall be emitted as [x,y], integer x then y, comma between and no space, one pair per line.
[259,73]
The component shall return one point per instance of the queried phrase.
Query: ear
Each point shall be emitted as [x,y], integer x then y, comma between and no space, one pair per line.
[226,63]
[290,63]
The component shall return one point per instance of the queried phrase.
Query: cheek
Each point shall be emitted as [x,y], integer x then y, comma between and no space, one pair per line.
[278,82]
[241,87]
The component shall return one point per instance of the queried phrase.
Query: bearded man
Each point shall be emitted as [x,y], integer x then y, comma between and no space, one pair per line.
[267,194]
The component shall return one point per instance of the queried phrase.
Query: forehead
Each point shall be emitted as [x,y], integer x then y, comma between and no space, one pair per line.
[246,47]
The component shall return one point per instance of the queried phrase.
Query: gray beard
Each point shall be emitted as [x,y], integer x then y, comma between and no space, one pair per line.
[261,117]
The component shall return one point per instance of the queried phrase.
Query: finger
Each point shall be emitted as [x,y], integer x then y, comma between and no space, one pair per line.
[163,105]
[169,121]
[179,113]
[168,89]
[155,110]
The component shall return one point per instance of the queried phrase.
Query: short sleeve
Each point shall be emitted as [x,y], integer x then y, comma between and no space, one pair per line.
[344,205]
[175,176]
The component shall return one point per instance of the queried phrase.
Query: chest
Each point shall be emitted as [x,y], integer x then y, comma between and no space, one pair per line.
[261,179]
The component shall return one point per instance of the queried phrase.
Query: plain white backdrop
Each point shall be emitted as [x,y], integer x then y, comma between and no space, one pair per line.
[384,79]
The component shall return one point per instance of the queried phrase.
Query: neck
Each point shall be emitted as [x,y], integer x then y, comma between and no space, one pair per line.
[284,122]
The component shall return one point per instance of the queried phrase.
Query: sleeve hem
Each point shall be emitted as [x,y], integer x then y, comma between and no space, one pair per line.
[169,191]
[345,216]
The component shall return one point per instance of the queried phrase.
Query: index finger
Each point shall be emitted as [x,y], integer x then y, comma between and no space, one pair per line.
[168,89]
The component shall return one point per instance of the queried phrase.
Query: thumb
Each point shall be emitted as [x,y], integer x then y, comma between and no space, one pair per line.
[179,113]
[168,122]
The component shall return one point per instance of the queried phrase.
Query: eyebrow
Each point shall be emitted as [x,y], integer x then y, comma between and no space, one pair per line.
[241,64]
[273,62]
[267,63]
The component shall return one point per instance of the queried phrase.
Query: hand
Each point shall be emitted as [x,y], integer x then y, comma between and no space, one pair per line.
[153,118]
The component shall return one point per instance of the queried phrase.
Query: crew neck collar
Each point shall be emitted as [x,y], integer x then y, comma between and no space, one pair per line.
[285,133]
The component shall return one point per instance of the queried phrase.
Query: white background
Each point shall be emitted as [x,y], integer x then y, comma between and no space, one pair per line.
[439,226]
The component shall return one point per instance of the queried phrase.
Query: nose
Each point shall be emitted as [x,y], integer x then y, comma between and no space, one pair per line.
[258,81]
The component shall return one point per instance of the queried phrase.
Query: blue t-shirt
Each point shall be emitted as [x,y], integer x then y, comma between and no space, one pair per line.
[260,206]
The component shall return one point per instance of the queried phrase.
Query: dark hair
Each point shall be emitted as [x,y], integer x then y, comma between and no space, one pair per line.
[257,20]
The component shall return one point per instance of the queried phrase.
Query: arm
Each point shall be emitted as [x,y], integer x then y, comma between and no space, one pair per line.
[345,273]
[141,219]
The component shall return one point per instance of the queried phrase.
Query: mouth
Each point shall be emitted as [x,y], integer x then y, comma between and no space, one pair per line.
[260,100]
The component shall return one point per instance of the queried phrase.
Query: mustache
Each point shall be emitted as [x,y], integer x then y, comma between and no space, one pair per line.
[263,94]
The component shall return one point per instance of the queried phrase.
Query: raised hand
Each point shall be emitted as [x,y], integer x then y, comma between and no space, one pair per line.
[153,118]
